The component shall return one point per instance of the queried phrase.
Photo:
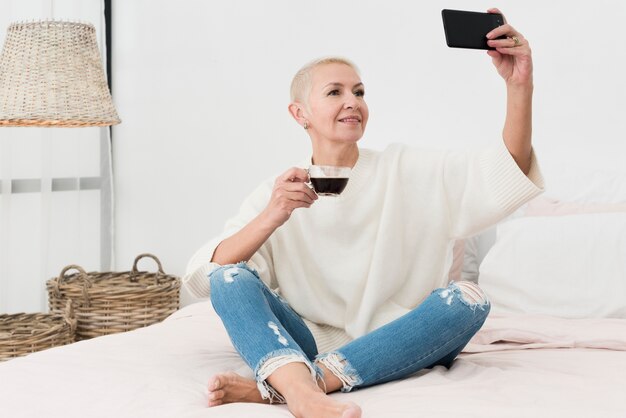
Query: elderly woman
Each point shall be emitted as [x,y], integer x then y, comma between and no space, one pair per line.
[340,293]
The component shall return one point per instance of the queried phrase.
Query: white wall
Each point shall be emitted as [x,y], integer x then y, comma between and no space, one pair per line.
[202,89]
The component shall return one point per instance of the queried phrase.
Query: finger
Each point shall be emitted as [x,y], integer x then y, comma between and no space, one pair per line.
[287,191]
[302,188]
[517,52]
[297,186]
[294,174]
[504,30]
[506,43]
[496,10]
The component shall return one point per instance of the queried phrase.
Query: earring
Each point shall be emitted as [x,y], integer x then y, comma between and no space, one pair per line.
[306,125]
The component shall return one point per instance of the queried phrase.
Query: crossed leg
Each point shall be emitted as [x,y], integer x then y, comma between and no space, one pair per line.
[283,366]
[307,395]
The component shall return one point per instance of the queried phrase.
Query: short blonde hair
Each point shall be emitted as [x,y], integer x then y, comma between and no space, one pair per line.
[301,83]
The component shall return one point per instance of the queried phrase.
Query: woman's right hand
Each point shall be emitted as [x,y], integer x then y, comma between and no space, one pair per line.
[289,193]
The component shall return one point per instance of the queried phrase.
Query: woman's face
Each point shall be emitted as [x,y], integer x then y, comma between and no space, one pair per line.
[337,108]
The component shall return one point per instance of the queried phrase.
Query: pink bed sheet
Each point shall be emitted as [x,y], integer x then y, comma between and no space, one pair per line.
[512,368]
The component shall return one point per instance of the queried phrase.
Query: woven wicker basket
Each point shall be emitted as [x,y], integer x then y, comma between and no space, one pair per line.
[112,302]
[23,333]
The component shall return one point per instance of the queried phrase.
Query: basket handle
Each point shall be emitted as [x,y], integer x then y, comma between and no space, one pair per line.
[61,277]
[72,267]
[68,316]
[134,271]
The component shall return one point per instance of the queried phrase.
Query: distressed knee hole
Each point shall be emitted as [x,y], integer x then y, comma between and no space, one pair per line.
[447,294]
[230,273]
[469,292]
[472,293]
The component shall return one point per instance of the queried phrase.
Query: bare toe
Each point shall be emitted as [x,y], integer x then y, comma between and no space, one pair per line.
[353,411]
[215,403]
[214,382]
[216,395]
[230,387]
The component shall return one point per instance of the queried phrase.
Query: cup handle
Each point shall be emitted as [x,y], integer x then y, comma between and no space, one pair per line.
[308,183]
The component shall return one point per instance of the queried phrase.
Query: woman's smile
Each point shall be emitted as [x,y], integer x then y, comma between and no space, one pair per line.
[351,120]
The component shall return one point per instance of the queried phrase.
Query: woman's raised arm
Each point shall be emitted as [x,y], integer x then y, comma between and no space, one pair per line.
[513,60]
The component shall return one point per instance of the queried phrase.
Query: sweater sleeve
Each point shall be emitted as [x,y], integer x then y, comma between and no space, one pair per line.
[200,266]
[482,188]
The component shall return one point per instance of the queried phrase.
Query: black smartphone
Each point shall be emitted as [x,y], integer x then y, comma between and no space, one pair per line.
[469,29]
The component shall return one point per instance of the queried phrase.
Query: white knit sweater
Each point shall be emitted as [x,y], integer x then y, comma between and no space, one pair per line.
[353,263]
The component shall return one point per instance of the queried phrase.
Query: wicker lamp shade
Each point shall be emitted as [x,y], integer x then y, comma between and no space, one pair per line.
[51,75]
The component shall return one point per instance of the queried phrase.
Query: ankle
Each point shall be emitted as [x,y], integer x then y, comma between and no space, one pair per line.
[329,383]
[321,383]
[301,389]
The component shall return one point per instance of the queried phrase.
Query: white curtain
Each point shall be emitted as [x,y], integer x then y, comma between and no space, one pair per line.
[55,184]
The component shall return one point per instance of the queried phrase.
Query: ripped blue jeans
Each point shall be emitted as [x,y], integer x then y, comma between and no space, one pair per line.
[268,333]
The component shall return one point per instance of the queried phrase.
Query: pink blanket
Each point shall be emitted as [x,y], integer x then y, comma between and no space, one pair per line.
[515,332]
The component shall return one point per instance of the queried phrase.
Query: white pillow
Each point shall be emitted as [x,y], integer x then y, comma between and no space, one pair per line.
[476,247]
[568,266]
[580,184]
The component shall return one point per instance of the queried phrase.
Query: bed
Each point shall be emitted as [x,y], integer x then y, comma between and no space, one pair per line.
[554,344]
[517,366]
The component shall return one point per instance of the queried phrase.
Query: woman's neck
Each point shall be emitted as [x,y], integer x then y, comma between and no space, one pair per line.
[339,155]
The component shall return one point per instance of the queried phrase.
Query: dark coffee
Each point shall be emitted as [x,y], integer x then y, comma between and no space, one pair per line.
[329,186]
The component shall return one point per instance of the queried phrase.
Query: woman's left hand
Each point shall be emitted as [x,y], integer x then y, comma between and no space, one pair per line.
[512,56]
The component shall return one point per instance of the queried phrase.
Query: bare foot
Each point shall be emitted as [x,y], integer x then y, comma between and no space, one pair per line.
[316,404]
[230,387]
